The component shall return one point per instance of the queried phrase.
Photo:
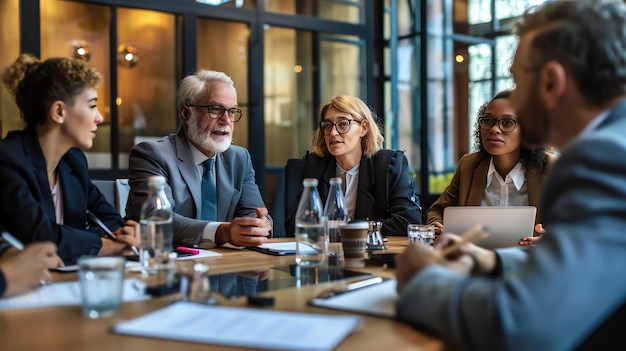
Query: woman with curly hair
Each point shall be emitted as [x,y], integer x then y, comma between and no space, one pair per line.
[502,171]
[46,190]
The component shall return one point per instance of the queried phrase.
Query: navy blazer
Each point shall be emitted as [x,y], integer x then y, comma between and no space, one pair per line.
[385,193]
[27,207]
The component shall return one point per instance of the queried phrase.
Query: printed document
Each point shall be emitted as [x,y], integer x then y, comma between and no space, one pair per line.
[65,293]
[244,327]
[377,300]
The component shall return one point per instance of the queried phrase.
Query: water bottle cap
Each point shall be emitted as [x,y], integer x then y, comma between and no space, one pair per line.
[156,180]
[309,182]
[335,181]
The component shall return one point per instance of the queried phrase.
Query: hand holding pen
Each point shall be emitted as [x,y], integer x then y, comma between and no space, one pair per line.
[26,267]
[129,231]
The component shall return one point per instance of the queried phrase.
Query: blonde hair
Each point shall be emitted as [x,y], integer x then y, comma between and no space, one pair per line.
[371,142]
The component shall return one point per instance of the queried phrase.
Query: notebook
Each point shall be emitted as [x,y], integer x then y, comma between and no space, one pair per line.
[506,225]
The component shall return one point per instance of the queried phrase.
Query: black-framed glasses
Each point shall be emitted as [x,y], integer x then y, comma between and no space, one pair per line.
[343,126]
[217,111]
[505,124]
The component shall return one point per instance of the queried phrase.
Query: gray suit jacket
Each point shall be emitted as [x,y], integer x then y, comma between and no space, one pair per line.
[237,193]
[567,292]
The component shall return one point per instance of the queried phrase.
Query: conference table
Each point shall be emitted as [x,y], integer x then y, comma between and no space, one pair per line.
[65,328]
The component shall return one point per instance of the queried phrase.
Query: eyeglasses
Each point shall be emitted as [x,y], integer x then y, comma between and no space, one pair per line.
[217,112]
[343,126]
[505,124]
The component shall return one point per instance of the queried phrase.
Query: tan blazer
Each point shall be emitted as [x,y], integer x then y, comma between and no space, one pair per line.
[468,185]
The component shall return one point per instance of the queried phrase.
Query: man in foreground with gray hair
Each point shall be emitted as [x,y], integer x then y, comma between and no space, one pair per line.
[568,292]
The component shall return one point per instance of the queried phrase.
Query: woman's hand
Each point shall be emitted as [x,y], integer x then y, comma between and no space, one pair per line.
[27,269]
[126,237]
[438,227]
[531,240]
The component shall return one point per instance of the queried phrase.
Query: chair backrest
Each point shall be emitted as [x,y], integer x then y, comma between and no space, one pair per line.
[293,182]
[122,190]
[107,188]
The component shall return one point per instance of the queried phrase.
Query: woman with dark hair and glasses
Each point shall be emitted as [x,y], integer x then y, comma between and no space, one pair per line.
[503,172]
[348,144]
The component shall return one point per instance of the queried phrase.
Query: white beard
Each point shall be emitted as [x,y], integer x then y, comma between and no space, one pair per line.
[202,138]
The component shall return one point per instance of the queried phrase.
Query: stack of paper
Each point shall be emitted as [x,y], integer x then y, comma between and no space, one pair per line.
[242,327]
[67,293]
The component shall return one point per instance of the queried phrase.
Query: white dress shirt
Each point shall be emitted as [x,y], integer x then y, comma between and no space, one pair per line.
[511,191]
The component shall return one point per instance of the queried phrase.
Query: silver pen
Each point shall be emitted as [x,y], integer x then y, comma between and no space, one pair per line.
[13,241]
[107,231]
[16,243]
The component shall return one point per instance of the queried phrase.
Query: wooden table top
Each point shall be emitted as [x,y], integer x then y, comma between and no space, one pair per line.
[65,328]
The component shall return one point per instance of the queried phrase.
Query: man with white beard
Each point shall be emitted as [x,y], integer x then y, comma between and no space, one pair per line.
[207,107]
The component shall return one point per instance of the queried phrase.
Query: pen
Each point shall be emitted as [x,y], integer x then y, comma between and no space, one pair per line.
[16,243]
[106,230]
[13,241]
[364,283]
[474,234]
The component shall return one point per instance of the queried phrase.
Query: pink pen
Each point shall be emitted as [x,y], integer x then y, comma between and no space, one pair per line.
[188,250]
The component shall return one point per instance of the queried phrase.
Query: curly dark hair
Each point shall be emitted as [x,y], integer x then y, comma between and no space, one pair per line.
[531,158]
[37,84]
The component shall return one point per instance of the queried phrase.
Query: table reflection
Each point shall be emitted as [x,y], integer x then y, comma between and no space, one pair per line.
[250,283]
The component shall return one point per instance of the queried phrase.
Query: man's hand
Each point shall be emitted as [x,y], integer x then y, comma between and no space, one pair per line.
[468,258]
[245,231]
[25,270]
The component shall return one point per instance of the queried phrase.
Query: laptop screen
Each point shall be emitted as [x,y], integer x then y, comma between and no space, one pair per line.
[506,225]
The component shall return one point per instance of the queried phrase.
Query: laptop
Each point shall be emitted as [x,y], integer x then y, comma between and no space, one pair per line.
[506,224]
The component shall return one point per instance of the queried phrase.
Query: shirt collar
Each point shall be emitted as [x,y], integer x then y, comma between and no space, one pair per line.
[198,156]
[353,171]
[516,174]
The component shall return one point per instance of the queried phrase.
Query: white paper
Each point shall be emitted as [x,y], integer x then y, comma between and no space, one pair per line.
[244,327]
[289,246]
[203,254]
[377,300]
[65,293]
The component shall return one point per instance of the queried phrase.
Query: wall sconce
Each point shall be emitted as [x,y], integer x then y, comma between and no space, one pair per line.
[80,50]
[127,56]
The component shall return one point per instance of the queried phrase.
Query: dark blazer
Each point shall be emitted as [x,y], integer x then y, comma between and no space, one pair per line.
[237,192]
[569,291]
[385,193]
[470,178]
[27,208]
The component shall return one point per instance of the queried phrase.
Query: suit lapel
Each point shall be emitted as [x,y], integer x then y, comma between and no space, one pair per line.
[224,187]
[73,203]
[477,185]
[364,198]
[188,170]
[33,152]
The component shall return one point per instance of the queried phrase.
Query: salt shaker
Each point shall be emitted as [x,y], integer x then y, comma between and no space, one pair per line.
[374,236]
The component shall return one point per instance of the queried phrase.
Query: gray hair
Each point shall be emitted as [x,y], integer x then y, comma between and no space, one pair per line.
[588,37]
[194,85]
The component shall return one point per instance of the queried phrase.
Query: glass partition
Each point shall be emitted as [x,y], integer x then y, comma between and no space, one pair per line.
[223,46]
[146,70]
[81,31]
[10,44]
[337,10]
[289,116]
